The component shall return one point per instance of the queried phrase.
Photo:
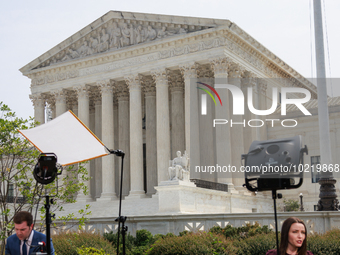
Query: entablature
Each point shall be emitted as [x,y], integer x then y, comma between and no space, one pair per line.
[236,43]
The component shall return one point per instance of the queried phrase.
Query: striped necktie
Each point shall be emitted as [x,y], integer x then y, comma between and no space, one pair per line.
[24,248]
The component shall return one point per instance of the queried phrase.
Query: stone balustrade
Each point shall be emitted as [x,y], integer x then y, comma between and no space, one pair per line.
[316,222]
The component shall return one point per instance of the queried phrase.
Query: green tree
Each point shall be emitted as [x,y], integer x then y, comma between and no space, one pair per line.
[291,205]
[18,189]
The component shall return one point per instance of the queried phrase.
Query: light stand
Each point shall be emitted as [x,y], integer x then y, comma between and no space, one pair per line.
[275,196]
[120,219]
[45,172]
[48,221]
[274,165]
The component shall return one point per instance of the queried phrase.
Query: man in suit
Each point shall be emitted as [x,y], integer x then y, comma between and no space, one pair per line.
[25,240]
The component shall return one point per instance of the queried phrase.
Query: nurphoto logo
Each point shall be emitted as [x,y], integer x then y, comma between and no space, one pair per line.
[238,100]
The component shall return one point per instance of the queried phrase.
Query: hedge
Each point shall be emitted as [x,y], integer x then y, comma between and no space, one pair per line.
[67,244]
[249,239]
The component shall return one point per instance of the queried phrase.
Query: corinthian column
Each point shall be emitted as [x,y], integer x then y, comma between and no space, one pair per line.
[136,137]
[60,108]
[84,116]
[223,140]
[192,144]
[74,106]
[150,135]
[108,169]
[39,107]
[98,132]
[60,101]
[206,129]
[262,94]
[250,133]
[177,114]
[124,134]
[163,125]
[237,128]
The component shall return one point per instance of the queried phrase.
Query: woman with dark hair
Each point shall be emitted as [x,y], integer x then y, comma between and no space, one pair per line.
[293,238]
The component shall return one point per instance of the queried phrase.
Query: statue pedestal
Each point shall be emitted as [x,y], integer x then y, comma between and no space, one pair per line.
[176,196]
[182,197]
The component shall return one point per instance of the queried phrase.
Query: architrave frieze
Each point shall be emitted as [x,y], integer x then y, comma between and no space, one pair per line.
[119,64]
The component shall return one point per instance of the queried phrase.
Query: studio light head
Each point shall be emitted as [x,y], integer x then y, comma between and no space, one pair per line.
[45,170]
[274,164]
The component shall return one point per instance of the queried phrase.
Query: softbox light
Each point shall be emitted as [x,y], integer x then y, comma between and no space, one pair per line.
[274,164]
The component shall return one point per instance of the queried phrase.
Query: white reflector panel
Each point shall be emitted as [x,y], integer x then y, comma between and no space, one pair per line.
[68,138]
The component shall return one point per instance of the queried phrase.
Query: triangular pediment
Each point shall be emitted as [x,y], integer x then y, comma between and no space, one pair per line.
[116,30]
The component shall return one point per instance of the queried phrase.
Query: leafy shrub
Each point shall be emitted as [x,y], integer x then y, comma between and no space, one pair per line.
[255,245]
[158,236]
[230,232]
[143,238]
[143,241]
[248,239]
[291,205]
[334,233]
[241,232]
[191,243]
[326,244]
[170,235]
[133,245]
[217,230]
[129,240]
[183,233]
[67,244]
[91,250]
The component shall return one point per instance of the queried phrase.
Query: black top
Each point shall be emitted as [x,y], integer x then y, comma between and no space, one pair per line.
[273,252]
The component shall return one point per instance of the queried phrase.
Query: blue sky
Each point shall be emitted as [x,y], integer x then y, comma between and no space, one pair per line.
[30,28]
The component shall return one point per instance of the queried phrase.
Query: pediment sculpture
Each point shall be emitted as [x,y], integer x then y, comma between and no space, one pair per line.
[115,35]
[179,167]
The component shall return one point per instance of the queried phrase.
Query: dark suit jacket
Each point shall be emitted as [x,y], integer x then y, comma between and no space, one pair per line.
[13,244]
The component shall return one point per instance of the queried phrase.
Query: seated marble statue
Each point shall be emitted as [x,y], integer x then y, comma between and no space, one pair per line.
[179,167]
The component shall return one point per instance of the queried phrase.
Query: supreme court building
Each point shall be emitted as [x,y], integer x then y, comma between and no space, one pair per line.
[132,79]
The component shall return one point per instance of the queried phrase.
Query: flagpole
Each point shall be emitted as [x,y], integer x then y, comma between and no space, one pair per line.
[328,198]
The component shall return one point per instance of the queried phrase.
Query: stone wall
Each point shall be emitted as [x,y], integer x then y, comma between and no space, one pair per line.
[316,222]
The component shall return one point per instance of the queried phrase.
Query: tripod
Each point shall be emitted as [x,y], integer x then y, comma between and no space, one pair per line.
[48,221]
[276,195]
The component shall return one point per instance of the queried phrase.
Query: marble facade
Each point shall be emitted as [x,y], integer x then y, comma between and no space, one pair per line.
[128,76]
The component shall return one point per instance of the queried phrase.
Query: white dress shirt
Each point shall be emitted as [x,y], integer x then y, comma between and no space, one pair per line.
[28,243]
